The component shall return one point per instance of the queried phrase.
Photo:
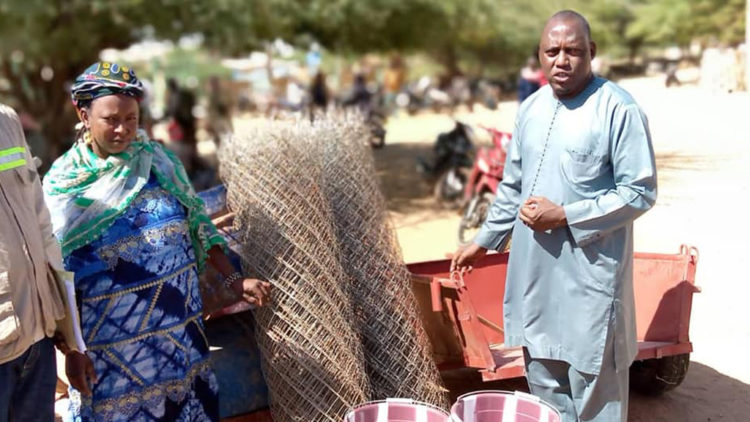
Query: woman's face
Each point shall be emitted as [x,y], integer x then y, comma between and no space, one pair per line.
[112,122]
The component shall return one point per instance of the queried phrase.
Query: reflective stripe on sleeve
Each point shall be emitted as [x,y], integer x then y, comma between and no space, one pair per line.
[11,158]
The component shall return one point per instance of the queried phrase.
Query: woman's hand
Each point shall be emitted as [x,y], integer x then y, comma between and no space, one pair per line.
[80,371]
[224,221]
[253,291]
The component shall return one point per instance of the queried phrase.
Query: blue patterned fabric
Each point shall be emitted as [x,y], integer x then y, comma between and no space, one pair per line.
[141,314]
[236,352]
[214,199]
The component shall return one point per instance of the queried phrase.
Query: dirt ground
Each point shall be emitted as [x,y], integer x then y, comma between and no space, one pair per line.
[702,151]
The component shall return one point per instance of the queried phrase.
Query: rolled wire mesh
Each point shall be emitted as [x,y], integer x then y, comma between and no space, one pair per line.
[311,219]
[397,352]
[312,357]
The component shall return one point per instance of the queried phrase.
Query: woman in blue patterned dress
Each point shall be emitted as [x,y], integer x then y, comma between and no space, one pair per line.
[135,235]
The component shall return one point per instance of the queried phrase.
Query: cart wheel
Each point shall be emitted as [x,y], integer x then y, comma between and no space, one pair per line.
[655,376]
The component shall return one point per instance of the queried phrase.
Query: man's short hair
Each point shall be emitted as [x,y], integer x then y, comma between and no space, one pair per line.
[571,14]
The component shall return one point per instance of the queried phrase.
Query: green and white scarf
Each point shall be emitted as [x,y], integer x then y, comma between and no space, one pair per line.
[85,193]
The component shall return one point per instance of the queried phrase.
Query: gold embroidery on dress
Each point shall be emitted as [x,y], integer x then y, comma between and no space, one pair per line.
[200,330]
[188,294]
[175,274]
[124,368]
[102,318]
[149,197]
[177,344]
[147,335]
[127,248]
[127,405]
[151,307]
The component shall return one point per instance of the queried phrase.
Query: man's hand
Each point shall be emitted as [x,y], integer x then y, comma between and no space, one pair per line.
[80,371]
[253,291]
[466,256]
[540,214]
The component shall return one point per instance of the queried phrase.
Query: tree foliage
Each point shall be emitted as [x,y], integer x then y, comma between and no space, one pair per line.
[44,44]
[661,22]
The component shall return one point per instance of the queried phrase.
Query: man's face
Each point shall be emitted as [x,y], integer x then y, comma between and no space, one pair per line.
[565,54]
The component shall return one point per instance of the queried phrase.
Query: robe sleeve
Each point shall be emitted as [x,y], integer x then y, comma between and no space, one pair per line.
[634,171]
[496,229]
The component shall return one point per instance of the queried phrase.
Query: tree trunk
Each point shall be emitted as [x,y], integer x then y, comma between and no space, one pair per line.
[57,127]
[58,115]
[633,47]
[449,60]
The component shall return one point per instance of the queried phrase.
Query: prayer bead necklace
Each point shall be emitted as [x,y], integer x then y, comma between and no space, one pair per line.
[544,151]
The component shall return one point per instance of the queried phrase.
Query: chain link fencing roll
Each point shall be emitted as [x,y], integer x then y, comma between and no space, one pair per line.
[397,352]
[312,220]
[312,357]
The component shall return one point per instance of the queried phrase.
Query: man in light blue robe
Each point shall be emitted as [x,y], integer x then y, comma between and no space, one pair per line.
[579,170]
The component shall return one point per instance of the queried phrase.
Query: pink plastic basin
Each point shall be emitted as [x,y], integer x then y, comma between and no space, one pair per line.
[396,410]
[502,406]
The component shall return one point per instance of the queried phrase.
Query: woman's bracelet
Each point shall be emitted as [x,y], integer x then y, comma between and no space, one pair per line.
[229,281]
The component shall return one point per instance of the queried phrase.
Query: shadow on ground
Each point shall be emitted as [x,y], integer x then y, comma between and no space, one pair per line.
[405,190]
[676,161]
[705,395]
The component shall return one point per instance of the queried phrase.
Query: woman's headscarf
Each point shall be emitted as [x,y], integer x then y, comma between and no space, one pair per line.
[86,194]
[102,79]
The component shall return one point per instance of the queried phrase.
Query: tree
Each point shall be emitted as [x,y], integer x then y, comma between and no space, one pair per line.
[723,19]
[664,22]
[45,44]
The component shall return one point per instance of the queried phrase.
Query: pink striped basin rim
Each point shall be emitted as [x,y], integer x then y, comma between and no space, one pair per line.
[396,410]
[502,406]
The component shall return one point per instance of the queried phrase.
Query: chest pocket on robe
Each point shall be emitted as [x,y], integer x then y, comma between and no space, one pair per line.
[585,171]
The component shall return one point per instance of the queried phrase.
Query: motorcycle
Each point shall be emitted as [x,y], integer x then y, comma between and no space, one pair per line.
[481,187]
[449,166]
[424,95]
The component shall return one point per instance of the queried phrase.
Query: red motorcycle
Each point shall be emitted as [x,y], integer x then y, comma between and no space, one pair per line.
[479,193]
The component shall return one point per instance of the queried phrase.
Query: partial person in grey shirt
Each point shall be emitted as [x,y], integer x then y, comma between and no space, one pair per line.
[580,170]
[31,302]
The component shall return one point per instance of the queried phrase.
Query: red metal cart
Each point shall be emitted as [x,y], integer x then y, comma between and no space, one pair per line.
[463,318]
